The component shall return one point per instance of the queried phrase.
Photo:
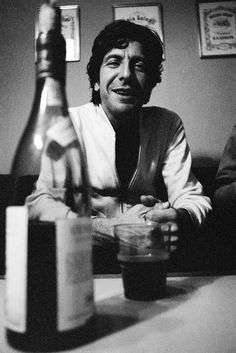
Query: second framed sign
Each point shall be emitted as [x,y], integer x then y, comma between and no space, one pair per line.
[149,14]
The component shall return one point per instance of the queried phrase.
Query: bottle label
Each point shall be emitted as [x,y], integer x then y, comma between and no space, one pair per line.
[74,273]
[16,267]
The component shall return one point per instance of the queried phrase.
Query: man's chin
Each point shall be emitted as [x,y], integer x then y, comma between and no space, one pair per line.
[127,106]
[125,111]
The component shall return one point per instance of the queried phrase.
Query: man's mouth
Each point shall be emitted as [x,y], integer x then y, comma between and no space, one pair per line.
[126,92]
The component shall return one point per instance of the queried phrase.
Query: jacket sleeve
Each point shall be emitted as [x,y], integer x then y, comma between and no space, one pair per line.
[225,195]
[184,190]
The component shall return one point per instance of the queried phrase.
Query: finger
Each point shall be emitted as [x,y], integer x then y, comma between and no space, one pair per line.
[171,239]
[149,200]
[171,229]
[162,205]
[151,223]
[173,243]
[138,209]
[161,215]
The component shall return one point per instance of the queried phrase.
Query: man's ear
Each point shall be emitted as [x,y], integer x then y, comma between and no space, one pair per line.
[96,87]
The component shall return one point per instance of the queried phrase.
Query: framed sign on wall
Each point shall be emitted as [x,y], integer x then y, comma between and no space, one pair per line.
[217,28]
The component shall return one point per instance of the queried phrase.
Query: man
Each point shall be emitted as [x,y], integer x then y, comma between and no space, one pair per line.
[225,194]
[224,202]
[139,161]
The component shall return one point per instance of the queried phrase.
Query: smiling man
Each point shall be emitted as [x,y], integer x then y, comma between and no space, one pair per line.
[139,161]
[123,84]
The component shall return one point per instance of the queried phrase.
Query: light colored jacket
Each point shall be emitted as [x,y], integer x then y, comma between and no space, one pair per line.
[163,168]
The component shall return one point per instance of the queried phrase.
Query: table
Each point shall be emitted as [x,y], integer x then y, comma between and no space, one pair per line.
[197,316]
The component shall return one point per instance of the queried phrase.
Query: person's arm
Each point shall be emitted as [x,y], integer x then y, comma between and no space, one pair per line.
[185,193]
[225,195]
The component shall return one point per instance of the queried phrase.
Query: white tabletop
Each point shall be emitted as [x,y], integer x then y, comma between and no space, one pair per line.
[197,316]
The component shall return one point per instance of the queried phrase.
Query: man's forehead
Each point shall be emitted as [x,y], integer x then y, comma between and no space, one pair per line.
[134,48]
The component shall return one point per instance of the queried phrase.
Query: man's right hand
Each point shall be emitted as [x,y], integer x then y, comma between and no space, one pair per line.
[135,214]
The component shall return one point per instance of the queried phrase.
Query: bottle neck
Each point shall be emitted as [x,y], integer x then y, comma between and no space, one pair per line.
[51,52]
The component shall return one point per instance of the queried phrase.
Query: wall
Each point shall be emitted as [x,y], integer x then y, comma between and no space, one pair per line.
[201,91]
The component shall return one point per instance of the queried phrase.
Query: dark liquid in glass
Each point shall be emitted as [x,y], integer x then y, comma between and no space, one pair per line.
[144,277]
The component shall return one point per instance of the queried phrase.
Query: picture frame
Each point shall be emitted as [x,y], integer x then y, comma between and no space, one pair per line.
[146,14]
[70,28]
[217,28]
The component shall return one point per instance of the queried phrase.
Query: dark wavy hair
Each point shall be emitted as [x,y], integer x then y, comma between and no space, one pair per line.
[118,34]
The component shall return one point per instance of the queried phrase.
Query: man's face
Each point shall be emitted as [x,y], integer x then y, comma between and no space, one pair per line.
[123,81]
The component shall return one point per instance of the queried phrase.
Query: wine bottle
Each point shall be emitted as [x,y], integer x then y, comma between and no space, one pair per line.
[49,282]
[49,101]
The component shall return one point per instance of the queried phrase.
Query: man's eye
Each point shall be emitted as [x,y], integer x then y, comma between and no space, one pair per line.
[140,66]
[113,63]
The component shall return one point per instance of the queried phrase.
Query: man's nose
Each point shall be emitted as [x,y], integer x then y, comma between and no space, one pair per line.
[125,71]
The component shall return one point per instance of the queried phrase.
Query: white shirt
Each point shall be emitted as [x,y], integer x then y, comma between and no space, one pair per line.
[172,158]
